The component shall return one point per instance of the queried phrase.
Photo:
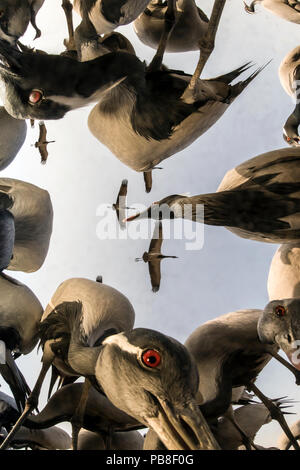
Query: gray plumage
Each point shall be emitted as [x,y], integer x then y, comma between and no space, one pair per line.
[145,109]
[7,237]
[16,16]
[106,15]
[190,26]
[258,200]
[20,315]
[90,44]
[288,10]
[284,272]
[228,354]
[279,324]
[155,391]
[53,438]
[32,211]
[130,440]
[249,417]
[100,415]
[289,75]
[104,311]
[12,136]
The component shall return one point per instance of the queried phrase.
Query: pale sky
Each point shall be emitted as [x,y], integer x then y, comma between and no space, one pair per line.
[228,273]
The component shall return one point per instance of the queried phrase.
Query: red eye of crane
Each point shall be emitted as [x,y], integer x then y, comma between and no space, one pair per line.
[35,96]
[151,358]
[280,311]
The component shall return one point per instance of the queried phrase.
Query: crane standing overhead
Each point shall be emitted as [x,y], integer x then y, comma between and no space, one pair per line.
[20,315]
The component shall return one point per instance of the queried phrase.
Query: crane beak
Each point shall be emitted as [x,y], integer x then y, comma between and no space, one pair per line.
[132,217]
[142,215]
[182,428]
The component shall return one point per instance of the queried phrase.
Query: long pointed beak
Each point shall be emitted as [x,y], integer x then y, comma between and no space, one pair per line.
[142,215]
[182,429]
[132,217]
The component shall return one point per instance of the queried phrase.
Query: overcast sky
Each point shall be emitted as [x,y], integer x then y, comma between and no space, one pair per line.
[228,273]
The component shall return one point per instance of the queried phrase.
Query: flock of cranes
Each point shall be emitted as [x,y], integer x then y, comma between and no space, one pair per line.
[136,378]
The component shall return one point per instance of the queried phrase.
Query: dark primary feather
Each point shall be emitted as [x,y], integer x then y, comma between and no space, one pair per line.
[253,167]
[43,133]
[8,411]
[252,210]
[257,205]
[119,206]
[155,275]
[157,239]
[202,15]
[148,180]
[230,76]
[15,379]
[122,191]
[158,108]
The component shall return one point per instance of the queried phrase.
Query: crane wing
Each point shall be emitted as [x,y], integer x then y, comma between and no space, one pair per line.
[155,275]
[157,239]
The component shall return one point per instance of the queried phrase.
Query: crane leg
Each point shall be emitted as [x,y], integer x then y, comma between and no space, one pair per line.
[276,414]
[289,366]
[169,23]
[31,404]
[68,8]
[77,418]
[206,46]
